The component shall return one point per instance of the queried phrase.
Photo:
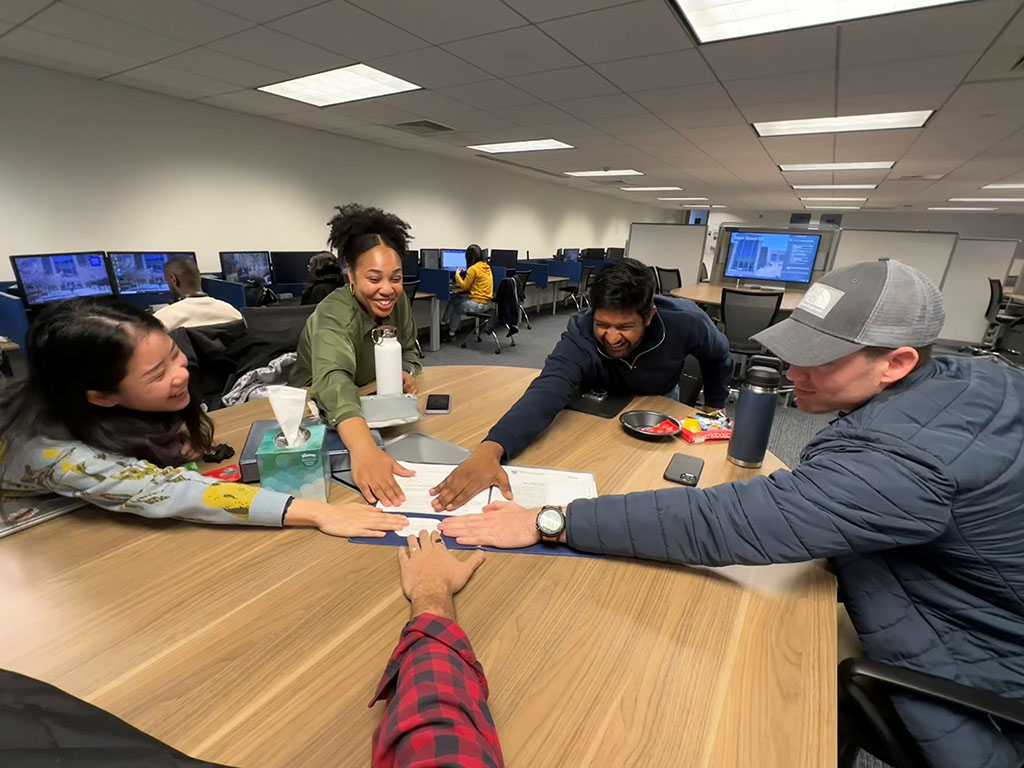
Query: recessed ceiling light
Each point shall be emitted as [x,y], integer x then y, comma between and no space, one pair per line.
[835,199]
[336,86]
[690,199]
[832,207]
[1003,186]
[651,189]
[835,186]
[534,145]
[585,174]
[726,19]
[953,208]
[719,206]
[879,165]
[882,121]
[986,199]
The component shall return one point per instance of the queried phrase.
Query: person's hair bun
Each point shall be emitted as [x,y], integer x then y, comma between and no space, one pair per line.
[355,229]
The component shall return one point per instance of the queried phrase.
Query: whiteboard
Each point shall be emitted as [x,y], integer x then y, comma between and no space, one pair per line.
[966,292]
[929,252]
[670,246]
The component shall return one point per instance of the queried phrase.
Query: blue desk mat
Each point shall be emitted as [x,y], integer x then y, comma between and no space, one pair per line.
[392,539]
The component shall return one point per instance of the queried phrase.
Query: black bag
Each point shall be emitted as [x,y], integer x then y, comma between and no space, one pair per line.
[258,295]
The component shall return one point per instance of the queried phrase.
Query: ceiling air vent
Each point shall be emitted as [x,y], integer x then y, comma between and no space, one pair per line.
[423,127]
[918,177]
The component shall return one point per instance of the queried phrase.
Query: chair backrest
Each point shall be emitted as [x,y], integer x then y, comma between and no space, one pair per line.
[995,298]
[287,321]
[654,274]
[522,278]
[585,273]
[745,313]
[410,288]
[669,279]
[703,276]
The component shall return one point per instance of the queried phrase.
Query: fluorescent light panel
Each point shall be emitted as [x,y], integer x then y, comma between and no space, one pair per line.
[337,86]
[835,199]
[1003,186]
[719,206]
[651,189]
[588,174]
[690,199]
[953,208]
[832,207]
[882,121]
[835,186]
[726,19]
[875,165]
[533,145]
[986,199]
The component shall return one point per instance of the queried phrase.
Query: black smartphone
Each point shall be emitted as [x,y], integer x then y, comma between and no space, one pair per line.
[684,469]
[438,404]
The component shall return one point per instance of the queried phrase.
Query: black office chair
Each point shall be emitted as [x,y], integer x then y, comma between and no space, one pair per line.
[669,280]
[703,276]
[522,277]
[871,721]
[998,322]
[410,288]
[745,313]
[577,294]
[504,310]
[657,283]
[691,381]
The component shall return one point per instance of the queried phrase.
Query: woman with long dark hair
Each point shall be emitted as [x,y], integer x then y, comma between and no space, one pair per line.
[324,278]
[476,287]
[106,415]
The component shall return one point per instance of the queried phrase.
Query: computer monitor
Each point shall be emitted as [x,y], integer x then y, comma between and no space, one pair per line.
[503,257]
[453,259]
[615,253]
[142,271]
[239,266]
[411,264]
[571,254]
[593,253]
[290,266]
[773,256]
[430,258]
[50,277]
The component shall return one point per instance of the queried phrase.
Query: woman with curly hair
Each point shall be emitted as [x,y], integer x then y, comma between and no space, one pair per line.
[335,353]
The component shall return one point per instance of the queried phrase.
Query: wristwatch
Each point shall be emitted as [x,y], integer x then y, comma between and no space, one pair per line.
[550,522]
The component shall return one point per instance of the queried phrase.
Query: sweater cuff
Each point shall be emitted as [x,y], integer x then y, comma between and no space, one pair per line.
[268,508]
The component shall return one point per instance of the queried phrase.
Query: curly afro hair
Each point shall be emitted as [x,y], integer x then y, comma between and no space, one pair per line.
[356,229]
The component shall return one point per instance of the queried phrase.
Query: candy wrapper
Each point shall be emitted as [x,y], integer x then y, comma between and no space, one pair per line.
[702,427]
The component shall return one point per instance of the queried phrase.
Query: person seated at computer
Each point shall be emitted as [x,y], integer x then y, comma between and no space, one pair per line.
[191,307]
[630,342]
[324,278]
[335,353]
[476,288]
[105,415]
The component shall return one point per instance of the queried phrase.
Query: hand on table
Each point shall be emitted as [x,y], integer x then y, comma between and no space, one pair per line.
[503,524]
[351,519]
[432,575]
[481,470]
[374,474]
[409,385]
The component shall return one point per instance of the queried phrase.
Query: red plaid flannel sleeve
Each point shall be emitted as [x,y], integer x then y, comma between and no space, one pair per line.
[436,697]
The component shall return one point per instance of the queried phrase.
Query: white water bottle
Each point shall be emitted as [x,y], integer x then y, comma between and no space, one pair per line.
[387,360]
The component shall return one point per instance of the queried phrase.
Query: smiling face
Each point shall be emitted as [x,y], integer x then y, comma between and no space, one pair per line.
[377,280]
[156,380]
[619,332]
[850,381]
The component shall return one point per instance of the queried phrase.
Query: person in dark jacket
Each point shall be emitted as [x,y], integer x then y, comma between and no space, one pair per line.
[630,342]
[914,495]
[324,278]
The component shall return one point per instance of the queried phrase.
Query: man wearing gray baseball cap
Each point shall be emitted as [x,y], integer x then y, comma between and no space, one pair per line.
[915,495]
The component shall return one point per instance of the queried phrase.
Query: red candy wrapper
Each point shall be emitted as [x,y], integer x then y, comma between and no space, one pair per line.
[229,474]
[667,427]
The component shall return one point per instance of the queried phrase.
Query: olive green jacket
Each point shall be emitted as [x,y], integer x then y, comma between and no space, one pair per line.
[335,353]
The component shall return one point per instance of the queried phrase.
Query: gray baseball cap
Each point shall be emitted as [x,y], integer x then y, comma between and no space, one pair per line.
[871,304]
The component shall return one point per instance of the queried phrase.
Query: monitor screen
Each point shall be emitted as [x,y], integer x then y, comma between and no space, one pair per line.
[776,256]
[571,254]
[616,253]
[430,258]
[142,271]
[503,257]
[411,264]
[290,266]
[453,259]
[239,266]
[593,253]
[55,276]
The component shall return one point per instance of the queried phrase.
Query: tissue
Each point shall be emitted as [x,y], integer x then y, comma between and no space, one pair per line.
[289,404]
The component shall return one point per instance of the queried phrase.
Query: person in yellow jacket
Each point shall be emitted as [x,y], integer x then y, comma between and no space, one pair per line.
[476,287]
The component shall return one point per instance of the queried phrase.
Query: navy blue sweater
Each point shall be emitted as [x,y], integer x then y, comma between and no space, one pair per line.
[679,328]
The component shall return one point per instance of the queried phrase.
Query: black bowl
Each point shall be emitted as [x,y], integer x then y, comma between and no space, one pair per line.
[634,422]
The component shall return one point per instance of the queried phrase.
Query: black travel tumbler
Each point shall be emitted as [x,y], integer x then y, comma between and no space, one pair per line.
[755,412]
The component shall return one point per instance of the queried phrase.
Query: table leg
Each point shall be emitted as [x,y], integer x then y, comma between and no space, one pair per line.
[554,298]
[435,324]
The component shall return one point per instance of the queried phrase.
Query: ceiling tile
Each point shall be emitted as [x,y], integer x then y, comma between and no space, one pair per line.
[952,29]
[571,83]
[706,118]
[893,76]
[374,111]
[792,110]
[691,98]
[430,104]
[513,52]
[478,120]
[782,53]
[204,61]
[638,29]
[91,28]
[430,68]
[442,21]
[16,11]
[874,145]
[320,118]
[4,26]
[279,51]
[256,103]
[799,149]
[598,107]
[175,82]
[32,47]
[262,11]
[532,114]
[1004,53]
[350,31]
[542,10]
[780,88]
[182,19]
[897,101]
[489,94]
[663,70]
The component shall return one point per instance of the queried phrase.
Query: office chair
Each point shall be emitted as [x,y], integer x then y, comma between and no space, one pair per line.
[522,277]
[578,293]
[703,276]
[998,323]
[691,382]
[864,689]
[745,313]
[286,323]
[504,311]
[410,288]
[669,279]
[657,282]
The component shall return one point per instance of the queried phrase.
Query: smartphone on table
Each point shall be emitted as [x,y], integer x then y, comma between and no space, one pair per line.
[684,469]
[438,404]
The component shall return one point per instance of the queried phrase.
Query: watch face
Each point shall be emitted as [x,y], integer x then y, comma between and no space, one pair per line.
[549,521]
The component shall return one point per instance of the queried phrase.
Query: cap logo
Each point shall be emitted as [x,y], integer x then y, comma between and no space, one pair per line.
[820,299]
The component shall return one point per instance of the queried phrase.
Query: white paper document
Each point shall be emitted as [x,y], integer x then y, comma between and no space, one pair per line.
[417,525]
[531,487]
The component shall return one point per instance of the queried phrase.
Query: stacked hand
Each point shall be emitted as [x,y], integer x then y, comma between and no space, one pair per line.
[374,474]
[432,575]
[503,524]
[481,470]
[343,519]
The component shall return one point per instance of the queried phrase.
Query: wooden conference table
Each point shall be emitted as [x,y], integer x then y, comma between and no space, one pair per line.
[259,647]
[711,294]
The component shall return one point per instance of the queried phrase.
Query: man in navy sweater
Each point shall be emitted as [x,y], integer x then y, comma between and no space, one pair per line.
[630,342]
